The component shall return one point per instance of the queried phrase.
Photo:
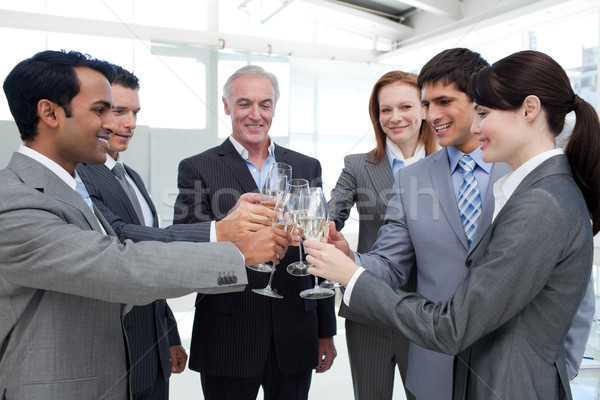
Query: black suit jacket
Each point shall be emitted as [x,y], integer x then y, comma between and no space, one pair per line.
[233,332]
[148,325]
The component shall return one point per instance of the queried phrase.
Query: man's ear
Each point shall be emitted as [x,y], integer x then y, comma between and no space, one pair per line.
[227,110]
[48,111]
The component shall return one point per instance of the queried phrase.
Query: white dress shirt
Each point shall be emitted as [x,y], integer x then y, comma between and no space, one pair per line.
[59,171]
[505,186]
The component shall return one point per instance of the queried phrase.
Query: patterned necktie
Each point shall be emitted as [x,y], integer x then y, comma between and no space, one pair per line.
[82,191]
[119,172]
[469,199]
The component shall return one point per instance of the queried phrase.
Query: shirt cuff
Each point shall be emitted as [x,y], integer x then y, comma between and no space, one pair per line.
[357,259]
[213,232]
[350,286]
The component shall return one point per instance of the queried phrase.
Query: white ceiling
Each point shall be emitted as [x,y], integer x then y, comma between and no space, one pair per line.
[403,26]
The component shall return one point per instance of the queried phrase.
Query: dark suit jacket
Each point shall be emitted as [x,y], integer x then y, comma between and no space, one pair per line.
[150,329]
[233,333]
[509,317]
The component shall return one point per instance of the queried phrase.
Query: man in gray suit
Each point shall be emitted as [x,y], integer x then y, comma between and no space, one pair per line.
[423,227]
[64,277]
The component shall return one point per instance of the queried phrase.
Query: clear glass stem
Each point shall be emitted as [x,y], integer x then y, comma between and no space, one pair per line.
[300,250]
[271,277]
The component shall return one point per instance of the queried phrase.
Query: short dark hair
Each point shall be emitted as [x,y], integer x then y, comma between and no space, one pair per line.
[124,78]
[47,75]
[452,66]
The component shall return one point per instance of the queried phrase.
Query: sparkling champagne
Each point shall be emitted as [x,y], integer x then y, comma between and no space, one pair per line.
[313,226]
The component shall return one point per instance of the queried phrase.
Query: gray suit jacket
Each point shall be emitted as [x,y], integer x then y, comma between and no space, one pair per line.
[62,284]
[508,319]
[423,230]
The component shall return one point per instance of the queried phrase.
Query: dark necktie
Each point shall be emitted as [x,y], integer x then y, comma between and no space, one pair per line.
[469,198]
[119,172]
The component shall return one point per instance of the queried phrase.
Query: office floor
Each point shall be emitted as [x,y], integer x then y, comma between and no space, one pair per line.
[337,383]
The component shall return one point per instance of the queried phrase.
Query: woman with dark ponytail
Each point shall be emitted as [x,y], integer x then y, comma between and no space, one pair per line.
[508,83]
[508,319]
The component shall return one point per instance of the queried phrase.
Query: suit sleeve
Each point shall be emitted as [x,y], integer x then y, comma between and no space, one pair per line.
[523,258]
[199,232]
[392,256]
[343,196]
[174,339]
[193,201]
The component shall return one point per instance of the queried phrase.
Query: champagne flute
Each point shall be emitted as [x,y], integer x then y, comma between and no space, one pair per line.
[283,220]
[327,284]
[275,182]
[313,218]
[296,186]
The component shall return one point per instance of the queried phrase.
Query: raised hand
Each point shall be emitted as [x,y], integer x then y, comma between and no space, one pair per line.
[247,218]
[268,244]
[329,262]
[250,198]
[338,240]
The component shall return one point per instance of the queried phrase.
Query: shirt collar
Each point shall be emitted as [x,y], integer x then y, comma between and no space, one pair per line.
[508,184]
[394,153]
[110,162]
[455,154]
[244,153]
[51,165]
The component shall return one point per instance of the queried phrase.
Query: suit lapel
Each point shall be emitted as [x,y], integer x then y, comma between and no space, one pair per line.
[488,208]
[442,184]
[140,185]
[232,160]
[41,178]
[381,177]
[110,183]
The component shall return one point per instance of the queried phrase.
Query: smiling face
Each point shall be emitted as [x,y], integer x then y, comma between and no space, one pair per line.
[450,112]
[400,115]
[505,137]
[124,112]
[84,136]
[251,107]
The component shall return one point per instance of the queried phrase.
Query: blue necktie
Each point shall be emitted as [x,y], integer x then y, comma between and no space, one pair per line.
[469,198]
[82,191]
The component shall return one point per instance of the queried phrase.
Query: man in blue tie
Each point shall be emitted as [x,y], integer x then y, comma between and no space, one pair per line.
[65,279]
[444,208]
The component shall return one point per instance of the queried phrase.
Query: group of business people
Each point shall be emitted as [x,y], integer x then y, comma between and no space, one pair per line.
[80,237]
[503,259]
[502,299]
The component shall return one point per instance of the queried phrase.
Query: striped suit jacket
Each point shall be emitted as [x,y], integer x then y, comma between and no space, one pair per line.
[150,329]
[233,333]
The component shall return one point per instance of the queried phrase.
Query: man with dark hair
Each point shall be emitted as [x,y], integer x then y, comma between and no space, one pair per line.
[442,212]
[64,276]
[119,192]
[243,342]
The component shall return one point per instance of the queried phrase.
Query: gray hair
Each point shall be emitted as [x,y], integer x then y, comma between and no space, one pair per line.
[251,70]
